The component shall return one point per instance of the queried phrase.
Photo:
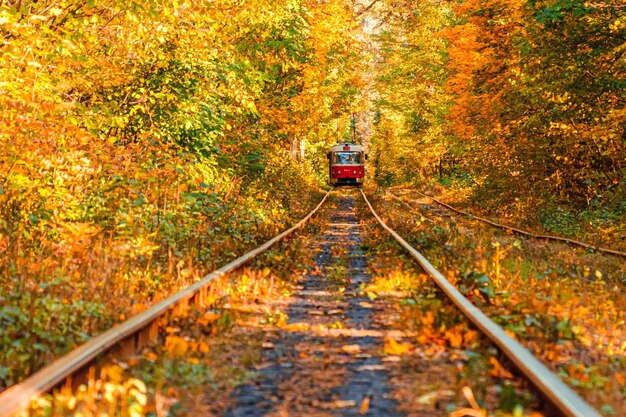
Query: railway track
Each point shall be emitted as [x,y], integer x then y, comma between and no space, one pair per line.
[361,379]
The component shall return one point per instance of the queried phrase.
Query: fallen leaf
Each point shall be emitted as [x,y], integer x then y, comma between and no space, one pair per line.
[295,327]
[365,405]
[267,345]
[176,346]
[454,337]
[208,318]
[498,370]
[332,312]
[392,347]
[365,304]
[467,412]
[470,336]
[432,397]
[475,411]
[344,403]
[200,346]
[510,333]
[428,319]
[392,358]
[351,348]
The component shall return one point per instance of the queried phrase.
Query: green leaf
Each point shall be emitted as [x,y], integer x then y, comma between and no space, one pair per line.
[40,347]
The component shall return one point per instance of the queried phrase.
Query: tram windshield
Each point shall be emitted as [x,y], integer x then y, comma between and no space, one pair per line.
[347,158]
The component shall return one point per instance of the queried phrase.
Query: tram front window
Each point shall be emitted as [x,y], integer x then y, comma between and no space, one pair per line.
[347,158]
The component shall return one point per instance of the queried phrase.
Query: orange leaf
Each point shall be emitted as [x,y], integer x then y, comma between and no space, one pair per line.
[365,406]
[475,411]
[176,346]
[203,347]
[208,318]
[454,337]
[351,348]
[498,370]
[428,318]
[392,347]
[470,336]
[295,327]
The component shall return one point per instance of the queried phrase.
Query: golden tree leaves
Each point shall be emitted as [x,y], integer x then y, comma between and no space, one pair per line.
[393,347]
[505,94]
[137,134]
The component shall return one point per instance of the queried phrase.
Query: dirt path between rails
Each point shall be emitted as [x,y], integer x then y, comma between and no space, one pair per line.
[328,358]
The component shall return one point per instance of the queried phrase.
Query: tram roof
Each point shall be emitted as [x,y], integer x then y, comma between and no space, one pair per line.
[349,146]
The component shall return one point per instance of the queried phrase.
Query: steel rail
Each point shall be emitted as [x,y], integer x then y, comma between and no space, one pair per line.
[557,392]
[520,231]
[17,398]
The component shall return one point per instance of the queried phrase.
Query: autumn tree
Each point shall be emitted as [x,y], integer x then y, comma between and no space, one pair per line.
[144,142]
[409,102]
[526,99]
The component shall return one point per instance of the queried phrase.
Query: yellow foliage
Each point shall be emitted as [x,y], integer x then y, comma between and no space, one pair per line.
[175,346]
[295,327]
[392,347]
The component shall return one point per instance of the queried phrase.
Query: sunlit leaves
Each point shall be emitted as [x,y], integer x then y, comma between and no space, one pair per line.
[137,137]
[531,96]
[410,102]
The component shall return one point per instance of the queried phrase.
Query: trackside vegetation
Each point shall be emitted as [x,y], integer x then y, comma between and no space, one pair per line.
[520,104]
[143,143]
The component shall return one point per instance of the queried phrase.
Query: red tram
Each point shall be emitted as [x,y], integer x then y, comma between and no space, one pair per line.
[346,164]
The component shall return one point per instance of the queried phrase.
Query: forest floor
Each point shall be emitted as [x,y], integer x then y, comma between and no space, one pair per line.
[339,321]
[563,302]
[598,227]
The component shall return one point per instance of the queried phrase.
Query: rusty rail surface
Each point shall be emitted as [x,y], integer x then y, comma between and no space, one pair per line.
[556,391]
[516,230]
[137,331]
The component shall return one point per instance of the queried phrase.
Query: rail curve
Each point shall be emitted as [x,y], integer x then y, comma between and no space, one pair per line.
[516,230]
